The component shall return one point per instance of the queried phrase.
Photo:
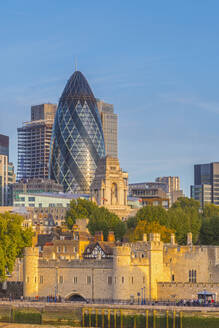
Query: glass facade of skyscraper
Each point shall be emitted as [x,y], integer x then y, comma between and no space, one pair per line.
[4,145]
[77,141]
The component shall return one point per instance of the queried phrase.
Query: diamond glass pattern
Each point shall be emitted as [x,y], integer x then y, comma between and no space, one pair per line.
[77,141]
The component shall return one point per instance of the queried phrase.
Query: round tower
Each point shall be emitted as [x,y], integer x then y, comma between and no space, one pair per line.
[121,269]
[30,272]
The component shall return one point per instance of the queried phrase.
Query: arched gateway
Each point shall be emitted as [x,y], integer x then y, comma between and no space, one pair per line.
[75,297]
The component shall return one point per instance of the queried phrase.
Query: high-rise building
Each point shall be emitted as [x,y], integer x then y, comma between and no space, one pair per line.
[206,183]
[7,175]
[110,128]
[77,140]
[7,179]
[4,145]
[150,193]
[172,188]
[172,183]
[30,186]
[34,139]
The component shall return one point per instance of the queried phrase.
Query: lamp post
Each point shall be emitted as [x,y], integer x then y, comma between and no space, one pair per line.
[142,297]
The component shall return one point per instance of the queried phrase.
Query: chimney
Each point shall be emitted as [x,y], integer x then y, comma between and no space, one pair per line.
[111,237]
[189,238]
[172,239]
[98,236]
[145,237]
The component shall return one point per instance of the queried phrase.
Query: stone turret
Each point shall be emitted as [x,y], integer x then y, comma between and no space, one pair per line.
[121,267]
[30,272]
[155,263]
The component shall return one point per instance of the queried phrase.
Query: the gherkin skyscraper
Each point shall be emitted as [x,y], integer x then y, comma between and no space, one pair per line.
[77,141]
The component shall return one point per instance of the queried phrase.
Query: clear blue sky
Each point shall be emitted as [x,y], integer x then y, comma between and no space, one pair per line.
[156,61]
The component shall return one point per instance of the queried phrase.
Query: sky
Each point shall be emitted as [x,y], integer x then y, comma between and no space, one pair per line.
[156,61]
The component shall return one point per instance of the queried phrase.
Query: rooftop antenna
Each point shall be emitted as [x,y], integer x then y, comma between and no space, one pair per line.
[75,64]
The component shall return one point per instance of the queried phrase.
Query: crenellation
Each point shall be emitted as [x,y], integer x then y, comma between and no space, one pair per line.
[124,271]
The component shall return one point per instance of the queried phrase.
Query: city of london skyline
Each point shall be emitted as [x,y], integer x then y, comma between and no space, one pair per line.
[160,75]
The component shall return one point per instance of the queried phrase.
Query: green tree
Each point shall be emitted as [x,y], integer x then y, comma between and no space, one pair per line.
[186,203]
[79,209]
[210,210]
[209,234]
[153,213]
[103,220]
[13,239]
[131,222]
[184,217]
[100,219]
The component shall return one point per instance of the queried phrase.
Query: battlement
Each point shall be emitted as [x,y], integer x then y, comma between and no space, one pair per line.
[31,251]
[124,250]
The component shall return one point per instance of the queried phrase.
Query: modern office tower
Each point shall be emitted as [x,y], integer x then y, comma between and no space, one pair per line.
[7,179]
[7,176]
[4,145]
[77,140]
[202,193]
[3,180]
[110,128]
[206,183]
[150,193]
[172,188]
[29,186]
[34,143]
[172,183]
[11,182]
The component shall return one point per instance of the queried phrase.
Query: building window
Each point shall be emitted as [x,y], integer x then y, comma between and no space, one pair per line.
[110,280]
[64,249]
[123,280]
[88,280]
[61,279]
[41,279]
[31,199]
[173,277]
[75,280]
[58,249]
[132,280]
[28,279]
[115,280]
[192,276]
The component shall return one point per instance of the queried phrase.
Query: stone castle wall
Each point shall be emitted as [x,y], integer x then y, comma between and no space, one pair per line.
[160,270]
[179,290]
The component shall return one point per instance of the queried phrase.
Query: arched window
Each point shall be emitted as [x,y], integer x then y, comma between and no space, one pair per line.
[114,194]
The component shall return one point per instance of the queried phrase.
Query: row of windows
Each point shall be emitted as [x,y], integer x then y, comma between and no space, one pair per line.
[88,280]
[64,249]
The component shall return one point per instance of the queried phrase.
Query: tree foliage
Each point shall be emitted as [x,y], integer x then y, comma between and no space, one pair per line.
[153,213]
[149,227]
[100,219]
[209,234]
[182,217]
[13,239]
[103,220]
[79,209]
[210,210]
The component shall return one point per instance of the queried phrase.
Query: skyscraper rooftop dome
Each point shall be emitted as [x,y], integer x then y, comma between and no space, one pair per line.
[77,142]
